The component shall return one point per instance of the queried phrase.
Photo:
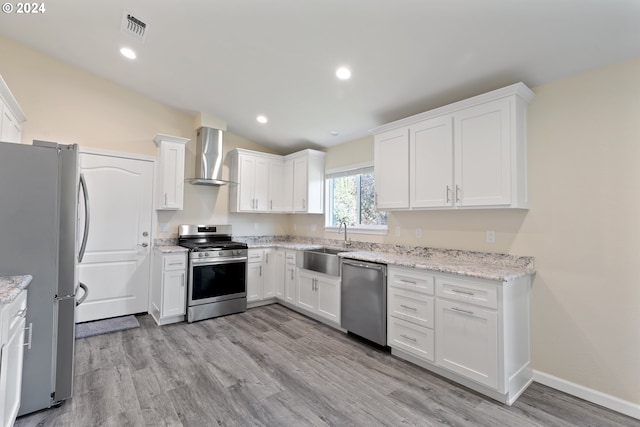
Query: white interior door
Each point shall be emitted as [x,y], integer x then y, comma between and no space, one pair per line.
[116,264]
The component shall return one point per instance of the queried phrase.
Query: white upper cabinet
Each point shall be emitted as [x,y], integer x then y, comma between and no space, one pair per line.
[308,181]
[251,171]
[277,184]
[276,202]
[391,165]
[170,172]
[11,116]
[431,163]
[471,154]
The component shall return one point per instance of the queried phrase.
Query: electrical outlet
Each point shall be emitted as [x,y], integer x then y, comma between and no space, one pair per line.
[164,227]
[491,236]
[418,233]
[256,226]
[295,227]
[397,231]
[314,227]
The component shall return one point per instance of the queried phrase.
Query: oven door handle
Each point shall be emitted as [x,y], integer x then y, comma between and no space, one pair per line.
[216,261]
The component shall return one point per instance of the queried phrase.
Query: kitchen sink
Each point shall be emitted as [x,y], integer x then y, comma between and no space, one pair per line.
[322,260]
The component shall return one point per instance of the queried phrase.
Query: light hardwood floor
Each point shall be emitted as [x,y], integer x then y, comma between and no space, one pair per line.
[271,366]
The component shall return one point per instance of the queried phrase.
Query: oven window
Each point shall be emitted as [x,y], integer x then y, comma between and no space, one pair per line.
[217,280]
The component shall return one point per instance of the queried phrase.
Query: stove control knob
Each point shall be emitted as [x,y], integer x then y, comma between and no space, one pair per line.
[206,254]
[200,255]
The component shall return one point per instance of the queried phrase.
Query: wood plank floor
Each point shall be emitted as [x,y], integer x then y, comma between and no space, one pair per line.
[271,366]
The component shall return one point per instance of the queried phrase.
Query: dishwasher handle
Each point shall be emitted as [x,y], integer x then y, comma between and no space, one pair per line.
[354,263]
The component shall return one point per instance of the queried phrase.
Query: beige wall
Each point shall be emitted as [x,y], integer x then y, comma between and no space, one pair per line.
[583,227]
[68,105]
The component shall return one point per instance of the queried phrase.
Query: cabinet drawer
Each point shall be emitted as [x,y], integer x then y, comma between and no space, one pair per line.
[14,312]
[411,306]
[174,262]
[467,291]
[290,257]
[410,279]
[411,338]
[255,255]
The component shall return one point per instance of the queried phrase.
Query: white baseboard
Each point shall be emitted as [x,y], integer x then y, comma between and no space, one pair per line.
[591,395]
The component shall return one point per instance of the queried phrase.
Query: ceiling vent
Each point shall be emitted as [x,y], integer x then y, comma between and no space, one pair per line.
[134,26]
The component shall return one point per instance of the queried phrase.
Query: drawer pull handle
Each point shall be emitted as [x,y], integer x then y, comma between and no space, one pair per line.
[406,307]
[413,282]
[471,313]
[29,335]
[458,291]
[176,263]
[407,337]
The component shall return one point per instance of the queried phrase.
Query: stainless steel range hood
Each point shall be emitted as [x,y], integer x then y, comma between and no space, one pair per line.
[209,158]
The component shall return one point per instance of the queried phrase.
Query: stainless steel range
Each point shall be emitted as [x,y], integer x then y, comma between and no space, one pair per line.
[217,283]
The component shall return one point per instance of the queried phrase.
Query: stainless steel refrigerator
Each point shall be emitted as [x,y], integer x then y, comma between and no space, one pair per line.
[41,196]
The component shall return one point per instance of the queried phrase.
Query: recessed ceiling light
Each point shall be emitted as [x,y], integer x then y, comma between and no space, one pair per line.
[128,53]
[334,133]
[343,73]
[262,119]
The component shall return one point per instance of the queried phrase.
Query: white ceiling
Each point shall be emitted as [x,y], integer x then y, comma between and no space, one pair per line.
[235,59]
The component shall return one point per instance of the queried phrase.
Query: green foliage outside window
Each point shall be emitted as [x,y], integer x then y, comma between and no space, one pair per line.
[351,199]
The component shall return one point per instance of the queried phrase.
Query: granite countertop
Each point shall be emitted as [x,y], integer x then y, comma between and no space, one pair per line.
[167,249]
[11,286]
[480,265]
[487,267]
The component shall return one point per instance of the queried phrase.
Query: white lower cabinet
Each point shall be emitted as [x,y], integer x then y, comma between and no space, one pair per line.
[12,328]
[168,300]
[473,331]
[410,312]
[290,273]
[319,294]
[262,275]
[279,275]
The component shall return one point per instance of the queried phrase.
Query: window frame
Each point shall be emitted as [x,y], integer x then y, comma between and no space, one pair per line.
[359,229]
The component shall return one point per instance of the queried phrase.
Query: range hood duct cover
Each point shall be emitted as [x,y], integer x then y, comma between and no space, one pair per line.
[209,158]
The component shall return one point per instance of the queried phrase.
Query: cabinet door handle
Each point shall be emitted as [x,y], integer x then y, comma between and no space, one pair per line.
[471,313]
[304,203]
[448,195]
[182,280]
[166,199]
[458,291]
[407,337]
[406,307]
[29,335]
[291,274]
[260,271]
[411,282]
[266,258]
[270,205]
[458,190]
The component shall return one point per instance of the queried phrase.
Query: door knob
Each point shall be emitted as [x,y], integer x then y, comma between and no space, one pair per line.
[145,234]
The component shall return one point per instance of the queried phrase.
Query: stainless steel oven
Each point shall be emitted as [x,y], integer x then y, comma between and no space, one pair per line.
[217,283]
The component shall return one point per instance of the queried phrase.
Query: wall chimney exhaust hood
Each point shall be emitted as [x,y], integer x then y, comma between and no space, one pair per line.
[209,158]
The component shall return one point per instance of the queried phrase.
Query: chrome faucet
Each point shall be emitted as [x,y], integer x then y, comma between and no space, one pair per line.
[346,242]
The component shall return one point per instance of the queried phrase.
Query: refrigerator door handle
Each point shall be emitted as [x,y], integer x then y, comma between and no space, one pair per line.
[85,234]
[84,295]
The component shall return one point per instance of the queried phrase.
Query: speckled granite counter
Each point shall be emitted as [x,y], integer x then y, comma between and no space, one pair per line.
[481,265]
[167,249]
[11,286]
[498,267]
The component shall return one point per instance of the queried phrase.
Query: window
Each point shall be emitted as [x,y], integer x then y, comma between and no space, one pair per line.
[351,198]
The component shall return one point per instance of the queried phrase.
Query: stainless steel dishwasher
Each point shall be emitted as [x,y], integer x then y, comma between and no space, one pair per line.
[364,299]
